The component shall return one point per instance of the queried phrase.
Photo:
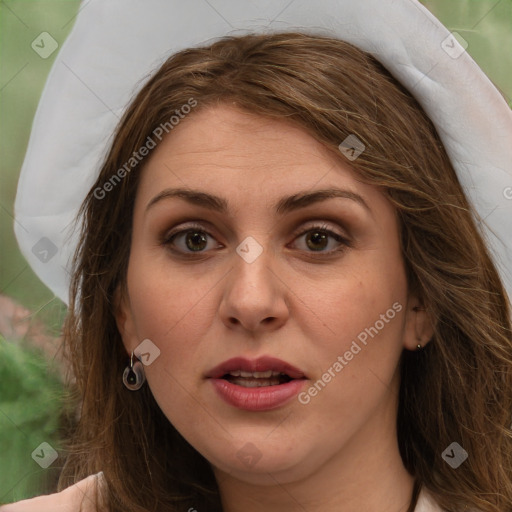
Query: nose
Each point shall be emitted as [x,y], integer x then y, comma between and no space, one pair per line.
[254,297]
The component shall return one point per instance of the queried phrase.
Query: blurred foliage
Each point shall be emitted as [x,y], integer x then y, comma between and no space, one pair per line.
[22,76]
[486,25]
[29,403]
[30,393]
[30,412]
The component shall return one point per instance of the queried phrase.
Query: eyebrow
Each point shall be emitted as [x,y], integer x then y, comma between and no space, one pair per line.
[284,205]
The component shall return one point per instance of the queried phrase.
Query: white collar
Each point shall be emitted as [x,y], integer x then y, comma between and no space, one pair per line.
[426,502]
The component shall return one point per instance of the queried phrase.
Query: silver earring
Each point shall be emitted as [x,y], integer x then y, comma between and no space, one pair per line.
[418,347]
[133,375]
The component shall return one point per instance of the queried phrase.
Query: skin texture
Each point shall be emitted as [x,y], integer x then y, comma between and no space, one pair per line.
[339,451]
[77,497]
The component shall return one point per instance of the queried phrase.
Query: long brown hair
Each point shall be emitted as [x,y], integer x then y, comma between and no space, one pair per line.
[458,389]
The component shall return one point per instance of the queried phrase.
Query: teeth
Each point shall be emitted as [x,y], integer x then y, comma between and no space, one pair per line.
[255,375]
[256,383]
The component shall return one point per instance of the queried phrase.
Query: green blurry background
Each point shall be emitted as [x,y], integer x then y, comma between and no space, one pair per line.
[30,315]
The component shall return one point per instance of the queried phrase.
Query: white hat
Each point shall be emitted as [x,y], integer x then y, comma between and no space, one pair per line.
[116,44]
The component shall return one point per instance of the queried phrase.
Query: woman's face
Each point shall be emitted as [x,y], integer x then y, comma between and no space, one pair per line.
[252,262]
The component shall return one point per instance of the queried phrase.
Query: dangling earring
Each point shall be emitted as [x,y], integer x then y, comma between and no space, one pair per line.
[133,375]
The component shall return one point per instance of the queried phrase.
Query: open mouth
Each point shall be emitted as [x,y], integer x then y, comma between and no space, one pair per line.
[256,379]
[256,385]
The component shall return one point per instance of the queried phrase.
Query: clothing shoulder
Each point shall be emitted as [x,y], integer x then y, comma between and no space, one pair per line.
[425,503]
[77,497]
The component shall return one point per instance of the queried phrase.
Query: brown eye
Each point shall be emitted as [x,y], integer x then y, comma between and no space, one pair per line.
[318,237]
[317,240]
[189,240]
[195,240]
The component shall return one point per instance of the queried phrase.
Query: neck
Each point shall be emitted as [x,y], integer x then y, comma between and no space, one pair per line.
[366,475]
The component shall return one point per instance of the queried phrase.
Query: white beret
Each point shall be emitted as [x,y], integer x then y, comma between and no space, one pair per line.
[116,44]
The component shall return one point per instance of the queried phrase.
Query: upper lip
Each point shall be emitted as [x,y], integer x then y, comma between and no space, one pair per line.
[261,364]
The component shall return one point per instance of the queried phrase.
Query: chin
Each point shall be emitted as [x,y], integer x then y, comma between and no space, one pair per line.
[265,465]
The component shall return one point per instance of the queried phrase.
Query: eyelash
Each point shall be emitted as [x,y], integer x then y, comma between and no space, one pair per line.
[169,238]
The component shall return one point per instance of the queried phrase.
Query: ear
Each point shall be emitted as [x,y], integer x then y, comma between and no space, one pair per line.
[419,324]
[124,319]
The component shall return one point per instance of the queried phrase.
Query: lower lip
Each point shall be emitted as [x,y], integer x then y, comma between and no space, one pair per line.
[263,398]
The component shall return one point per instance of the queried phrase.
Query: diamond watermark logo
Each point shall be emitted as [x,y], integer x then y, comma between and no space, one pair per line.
[249,454]
[44,45]
[454,45]
[147,352]
[45,455]
[352,147]
[44,249]
[249,249]
[454,455]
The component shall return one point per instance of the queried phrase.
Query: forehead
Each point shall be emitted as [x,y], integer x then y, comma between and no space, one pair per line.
[223,148]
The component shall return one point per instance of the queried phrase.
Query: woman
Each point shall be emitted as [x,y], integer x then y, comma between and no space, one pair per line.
[339,264]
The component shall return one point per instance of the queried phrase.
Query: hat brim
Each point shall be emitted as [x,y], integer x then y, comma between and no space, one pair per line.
[116,45]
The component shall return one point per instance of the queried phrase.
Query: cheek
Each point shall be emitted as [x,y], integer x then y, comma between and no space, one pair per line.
[172,312]
[164,294]
[359,337]
[169,310]
[364,340]
[359,298]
